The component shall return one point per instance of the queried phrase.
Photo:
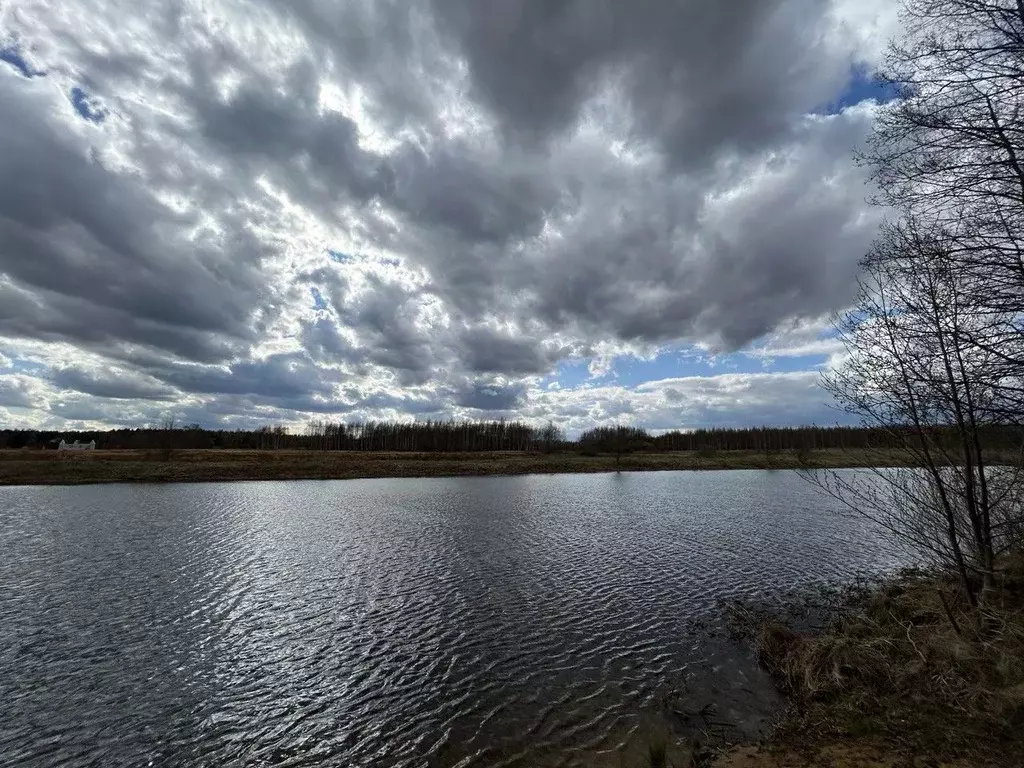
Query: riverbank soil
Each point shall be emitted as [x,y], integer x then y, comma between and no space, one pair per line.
[904,677]
[835,756]
[36,467]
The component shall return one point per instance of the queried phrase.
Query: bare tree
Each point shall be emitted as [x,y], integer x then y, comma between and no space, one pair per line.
[913,369]
[950,151]
[935,350]
[168,436]
[550,436]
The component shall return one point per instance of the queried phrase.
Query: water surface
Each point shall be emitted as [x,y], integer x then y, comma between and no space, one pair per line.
[532,620]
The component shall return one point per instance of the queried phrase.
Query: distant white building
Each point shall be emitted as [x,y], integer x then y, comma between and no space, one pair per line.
[77,446]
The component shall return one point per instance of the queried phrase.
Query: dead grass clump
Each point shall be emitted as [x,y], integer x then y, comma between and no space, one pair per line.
[908,663]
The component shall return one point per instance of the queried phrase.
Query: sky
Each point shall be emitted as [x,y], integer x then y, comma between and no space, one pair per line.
[256,212]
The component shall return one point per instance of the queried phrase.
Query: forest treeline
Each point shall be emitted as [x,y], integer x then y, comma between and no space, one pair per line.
[470,436]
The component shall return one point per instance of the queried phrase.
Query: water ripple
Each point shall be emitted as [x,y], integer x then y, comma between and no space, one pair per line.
[522,621]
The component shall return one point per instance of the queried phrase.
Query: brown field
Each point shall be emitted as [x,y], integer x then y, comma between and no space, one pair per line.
[35,467]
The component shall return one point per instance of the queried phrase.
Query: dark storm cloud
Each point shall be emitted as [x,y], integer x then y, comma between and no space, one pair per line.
[83,410]
[90,255]
[388,47]
[702,78]
[52,316]
[704,81]
[479,199]
[409,405]
[488,351]
[315,153]
[385,317]
[382,316]
[322,340]
[290,375]
[488,396]
[655,262]
[15,392]
[119,386]
[718,91]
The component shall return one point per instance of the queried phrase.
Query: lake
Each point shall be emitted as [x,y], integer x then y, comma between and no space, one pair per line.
[512,621]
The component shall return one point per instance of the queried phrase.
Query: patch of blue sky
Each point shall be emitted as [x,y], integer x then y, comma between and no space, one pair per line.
[628,371]
[631,371]
[682,364]
[792,364]
[568,374]
[86,106]
[862,86]
[319,302]
[21,365]
[10,53]
[340,257]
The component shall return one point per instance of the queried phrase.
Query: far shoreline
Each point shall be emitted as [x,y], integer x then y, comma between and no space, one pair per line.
[37,467]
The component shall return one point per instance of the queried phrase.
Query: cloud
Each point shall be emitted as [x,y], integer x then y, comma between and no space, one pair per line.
[512,186]
[700,79]
[489,396]
[809,338]
[725,400]
[313,153]
[119,385]
[488,351]
[93,256]
[650,259]
[16,392]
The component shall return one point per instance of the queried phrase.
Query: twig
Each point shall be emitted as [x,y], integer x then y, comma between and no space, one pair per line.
[949,613]
[913,644]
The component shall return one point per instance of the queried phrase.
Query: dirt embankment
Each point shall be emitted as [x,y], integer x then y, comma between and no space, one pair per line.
[905,677]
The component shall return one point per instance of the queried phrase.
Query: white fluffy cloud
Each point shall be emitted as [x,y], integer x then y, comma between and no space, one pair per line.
[266,210]
[724,400]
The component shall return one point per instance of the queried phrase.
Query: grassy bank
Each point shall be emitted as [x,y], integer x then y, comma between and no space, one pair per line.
[26,467]
[903,677]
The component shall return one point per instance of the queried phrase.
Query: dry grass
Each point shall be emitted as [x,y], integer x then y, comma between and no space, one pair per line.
[26,467]
[894,674]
